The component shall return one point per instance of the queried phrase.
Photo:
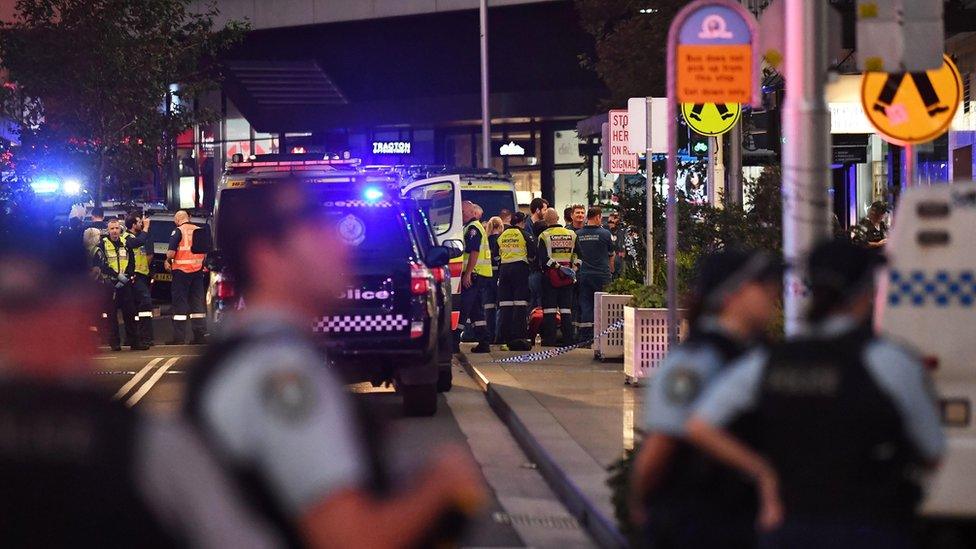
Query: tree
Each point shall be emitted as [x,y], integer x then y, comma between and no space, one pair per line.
[107,83]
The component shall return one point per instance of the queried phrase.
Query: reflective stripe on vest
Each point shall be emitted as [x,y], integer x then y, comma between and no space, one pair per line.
[560,244]
[139,255]
[512,246]
[483,266]
[185,260]
[117,258]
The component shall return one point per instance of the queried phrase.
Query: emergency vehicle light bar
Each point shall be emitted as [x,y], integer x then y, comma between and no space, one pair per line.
[286,165]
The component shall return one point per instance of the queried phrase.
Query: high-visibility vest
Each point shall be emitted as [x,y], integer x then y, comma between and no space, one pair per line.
[139,255]
[185,260]
[117,258]
[560,244]
[512,246]
[483,266]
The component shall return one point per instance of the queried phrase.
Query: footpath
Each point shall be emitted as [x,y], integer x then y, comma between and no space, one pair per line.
[573,416]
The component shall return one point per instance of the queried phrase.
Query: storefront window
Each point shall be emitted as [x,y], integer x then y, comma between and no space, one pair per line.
[571,188]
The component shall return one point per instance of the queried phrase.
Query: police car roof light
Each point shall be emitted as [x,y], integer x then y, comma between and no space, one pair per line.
[372,194]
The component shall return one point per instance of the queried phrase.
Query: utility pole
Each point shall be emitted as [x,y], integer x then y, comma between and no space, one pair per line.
[806,167]
[649,206]
[485,113]
[733,190]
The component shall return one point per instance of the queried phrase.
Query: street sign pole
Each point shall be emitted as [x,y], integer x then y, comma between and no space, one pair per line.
[733,190]
[485,112]
[648,171]
[909,153]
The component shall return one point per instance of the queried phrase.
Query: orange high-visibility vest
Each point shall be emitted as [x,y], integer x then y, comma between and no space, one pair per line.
[185,260]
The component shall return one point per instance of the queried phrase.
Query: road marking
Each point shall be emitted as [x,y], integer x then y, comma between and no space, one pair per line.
[148,385]
[136,378]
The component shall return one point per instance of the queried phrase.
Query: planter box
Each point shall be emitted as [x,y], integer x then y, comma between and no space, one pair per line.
[646,341]
[608,309]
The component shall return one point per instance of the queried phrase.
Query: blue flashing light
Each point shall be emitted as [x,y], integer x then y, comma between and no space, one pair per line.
[45,185]
[372,194]
[71,187]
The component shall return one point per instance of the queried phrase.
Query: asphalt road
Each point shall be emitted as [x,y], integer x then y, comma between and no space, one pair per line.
[523,511]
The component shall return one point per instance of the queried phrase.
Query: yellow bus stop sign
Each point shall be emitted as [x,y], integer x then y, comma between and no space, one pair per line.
[915,107]
[711,119]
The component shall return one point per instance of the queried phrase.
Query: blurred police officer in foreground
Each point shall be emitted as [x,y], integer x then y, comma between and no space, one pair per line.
[189,284]
[475,275]
[872,231]
[596,252]
[140,246]
[680,497]
[118,268]
[77,469]
[844,420]
[279,418]
[557,256]
[517,250]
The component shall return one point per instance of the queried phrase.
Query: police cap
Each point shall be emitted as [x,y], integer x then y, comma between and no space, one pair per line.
[722,273]
[842,269]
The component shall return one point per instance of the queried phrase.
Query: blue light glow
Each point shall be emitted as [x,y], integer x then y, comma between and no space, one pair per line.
[372,194]
[71,187]
[45,185]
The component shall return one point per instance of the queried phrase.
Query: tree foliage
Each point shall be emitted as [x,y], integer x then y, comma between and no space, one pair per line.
[89,81]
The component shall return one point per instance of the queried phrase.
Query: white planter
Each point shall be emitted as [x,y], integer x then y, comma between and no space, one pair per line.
[646,341]
[607,310]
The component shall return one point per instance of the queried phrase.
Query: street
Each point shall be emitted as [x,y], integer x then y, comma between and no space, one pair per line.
[523,511]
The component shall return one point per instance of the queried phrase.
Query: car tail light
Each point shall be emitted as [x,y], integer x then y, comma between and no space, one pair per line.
[440,274]
[225,288]
[419,279]
[416,330]
[456,267]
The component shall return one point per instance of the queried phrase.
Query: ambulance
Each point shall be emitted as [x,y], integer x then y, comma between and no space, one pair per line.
[927,299]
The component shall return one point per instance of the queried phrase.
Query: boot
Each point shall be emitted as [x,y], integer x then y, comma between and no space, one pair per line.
[482,347]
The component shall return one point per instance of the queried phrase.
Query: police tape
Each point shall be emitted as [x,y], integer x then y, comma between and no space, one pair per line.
[550,353]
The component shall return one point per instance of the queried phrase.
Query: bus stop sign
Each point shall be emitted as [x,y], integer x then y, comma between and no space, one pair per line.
[716,60]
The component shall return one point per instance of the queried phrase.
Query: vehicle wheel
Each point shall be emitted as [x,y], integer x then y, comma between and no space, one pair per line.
[445,348]
[445,380]
[419,400]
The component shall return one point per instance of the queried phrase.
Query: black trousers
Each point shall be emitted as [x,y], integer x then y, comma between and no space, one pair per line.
[189,304]
[473,308]
[144,308]
[513,300]
[557,300]
[124,301]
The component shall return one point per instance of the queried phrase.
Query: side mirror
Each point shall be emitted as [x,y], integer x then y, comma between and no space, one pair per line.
[455,246]
[438,256]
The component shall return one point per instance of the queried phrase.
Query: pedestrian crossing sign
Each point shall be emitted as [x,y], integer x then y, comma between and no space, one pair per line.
[915,107]
[711,119]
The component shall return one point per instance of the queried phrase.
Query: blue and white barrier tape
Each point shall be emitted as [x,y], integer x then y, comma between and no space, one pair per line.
[549,353]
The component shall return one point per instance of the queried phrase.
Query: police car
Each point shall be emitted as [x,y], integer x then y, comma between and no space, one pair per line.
[927,299]
[386,326]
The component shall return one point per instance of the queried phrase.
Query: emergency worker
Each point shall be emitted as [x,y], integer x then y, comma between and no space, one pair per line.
[596,251]
[844,420]
[619,238]
[557,257]
[577,218]
[189,284]
[279,419]
[78,469]
[872,231]
[118,268]
[518,253]
[493,228]
[680,497]
[140,246]
[97,221]
[537,210]
[476,273]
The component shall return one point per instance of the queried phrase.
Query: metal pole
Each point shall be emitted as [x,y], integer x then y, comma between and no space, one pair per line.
[485,113]
[672,207]
[733,191]
[711,179]
[909,154]
[806,166]
[648,170]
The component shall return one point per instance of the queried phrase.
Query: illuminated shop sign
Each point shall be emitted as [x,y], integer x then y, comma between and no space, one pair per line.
[514,147]
[391,147]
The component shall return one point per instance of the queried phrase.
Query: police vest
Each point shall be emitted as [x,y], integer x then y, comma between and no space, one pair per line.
[483,266]
[513,246]
[116,257]
[185,260]
[139,255]
[67,471]
[560,244]
[835,438]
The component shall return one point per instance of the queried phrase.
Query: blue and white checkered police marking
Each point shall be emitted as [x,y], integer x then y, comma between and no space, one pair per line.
[549,353]
[941,288]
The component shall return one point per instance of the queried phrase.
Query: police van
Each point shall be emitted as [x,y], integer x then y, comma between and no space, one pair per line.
[440,190]
[387,325]
[927,299]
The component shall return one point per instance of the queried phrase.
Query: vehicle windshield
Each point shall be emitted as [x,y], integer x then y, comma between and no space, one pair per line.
[160,230]
[491,201]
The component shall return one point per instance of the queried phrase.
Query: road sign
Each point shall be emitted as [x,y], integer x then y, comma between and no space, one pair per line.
[715,55]
[899,35]
[915,107]
[622,159]
[637,109]
[711,119]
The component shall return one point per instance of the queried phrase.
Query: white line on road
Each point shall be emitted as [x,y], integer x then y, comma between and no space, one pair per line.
[136,378]
[148,385]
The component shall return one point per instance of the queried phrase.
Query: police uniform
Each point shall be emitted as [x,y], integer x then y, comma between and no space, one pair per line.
[595,249]
[189,286]
[557,248]
[472,298]
[517,252]
[140,250]
[118,267]
[844,417]
[865,232]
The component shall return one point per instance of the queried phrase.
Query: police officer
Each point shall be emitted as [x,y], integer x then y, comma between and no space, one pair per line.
[279,419]
[189,284]
[872,231]
[557,253]
[596,252]
[678,496]
[77,469]
[118,268]
[844,419]
[476,272]
[517,251]
[140,246]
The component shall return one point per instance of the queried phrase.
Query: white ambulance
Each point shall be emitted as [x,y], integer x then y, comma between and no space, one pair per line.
[927,299]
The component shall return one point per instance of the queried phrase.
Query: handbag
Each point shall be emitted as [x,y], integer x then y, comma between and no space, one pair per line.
[560,277]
